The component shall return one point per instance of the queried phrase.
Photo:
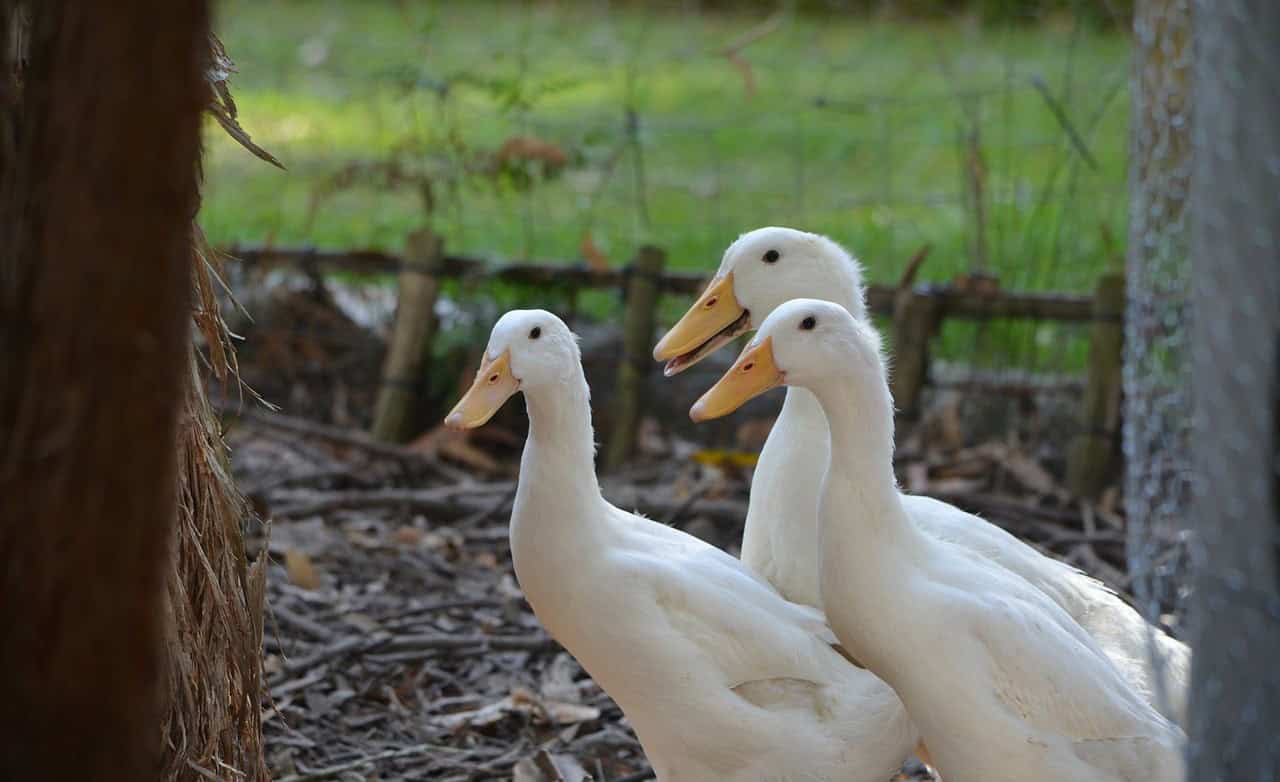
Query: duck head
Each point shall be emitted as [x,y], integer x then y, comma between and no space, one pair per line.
[759,271]
[802,343]
[527,350]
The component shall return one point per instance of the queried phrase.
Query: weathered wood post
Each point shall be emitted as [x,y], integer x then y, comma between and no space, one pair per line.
[1091,458]
[915,318]
[642,291]
[404,369]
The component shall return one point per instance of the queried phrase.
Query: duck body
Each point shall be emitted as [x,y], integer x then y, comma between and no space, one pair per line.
[721,677]
[780,541]
[1011,688]
[780,537]
[1002,682]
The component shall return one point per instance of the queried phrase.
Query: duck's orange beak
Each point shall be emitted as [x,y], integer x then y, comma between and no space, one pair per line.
[494,385]
[714,319]
[750,376]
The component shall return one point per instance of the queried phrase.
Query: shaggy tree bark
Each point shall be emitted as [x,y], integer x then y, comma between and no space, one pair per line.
[94,340]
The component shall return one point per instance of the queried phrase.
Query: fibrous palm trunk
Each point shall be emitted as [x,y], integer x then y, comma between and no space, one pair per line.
[130,626]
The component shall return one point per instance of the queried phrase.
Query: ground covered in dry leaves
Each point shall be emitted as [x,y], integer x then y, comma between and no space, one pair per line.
[398,645]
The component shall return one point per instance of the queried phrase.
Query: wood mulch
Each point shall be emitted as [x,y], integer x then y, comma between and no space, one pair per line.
[398,645]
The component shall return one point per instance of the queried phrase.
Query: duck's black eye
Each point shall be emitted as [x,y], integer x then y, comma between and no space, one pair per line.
[808,323]
[537,332]
[772,256]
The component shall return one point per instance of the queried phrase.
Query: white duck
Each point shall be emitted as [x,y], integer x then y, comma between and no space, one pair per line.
[1004,685]
[721,677]
[769,266]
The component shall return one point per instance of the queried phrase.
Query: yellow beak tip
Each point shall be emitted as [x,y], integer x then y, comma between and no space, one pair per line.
[697,414]
[454,421]
[664,351]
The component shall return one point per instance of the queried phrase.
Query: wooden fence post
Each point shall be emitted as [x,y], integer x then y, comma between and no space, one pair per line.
[637,333]
[1091,459]
[404,369]
[915,317]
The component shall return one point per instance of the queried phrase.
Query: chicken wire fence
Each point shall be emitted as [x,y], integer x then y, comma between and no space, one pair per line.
[1156,369]
[1202,357]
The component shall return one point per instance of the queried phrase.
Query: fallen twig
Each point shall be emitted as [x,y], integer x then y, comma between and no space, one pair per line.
[440,499]
[393,754]
[336,435]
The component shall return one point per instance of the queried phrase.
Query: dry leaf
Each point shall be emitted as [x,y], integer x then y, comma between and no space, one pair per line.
[569,713]
[408,536]
[721,458]
[301,570]
[531,148]
[364,539]
[461,450]
[520,701]
[526,771]
[557,680]
[272,664]
[591,253]
[1029,473]
[362,622]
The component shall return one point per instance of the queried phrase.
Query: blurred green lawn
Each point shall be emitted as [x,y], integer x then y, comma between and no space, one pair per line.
[854,130]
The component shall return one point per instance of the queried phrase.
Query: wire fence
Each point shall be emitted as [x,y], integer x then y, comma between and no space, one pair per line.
[1156,370]
[1202,367]
[1000,146]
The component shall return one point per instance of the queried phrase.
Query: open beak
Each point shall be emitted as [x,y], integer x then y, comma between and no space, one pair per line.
[494,385]
[750,376]
[713,320]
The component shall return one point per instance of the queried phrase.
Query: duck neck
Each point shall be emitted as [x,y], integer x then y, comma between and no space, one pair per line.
[780,536]
[860,487]
[559,518]
[558,466]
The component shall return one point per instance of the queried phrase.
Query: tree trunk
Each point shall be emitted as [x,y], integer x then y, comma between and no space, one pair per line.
[94,339]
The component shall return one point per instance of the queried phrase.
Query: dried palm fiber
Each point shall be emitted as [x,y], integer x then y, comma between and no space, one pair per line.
[213,604]
[212,727]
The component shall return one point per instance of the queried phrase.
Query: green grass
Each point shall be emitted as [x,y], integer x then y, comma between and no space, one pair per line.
[880,167]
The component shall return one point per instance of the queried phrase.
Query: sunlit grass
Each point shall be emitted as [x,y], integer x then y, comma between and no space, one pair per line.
[879,162]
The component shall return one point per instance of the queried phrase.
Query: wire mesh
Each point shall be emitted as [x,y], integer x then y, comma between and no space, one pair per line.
[1202,328]
[1156,367]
